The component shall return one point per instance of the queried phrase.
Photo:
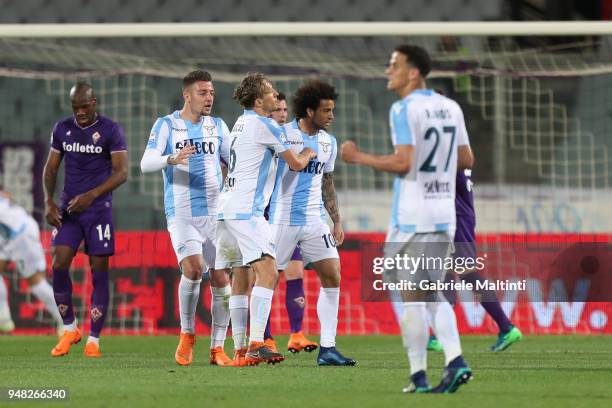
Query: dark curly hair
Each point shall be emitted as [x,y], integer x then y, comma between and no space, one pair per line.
[251,88]
[310,95]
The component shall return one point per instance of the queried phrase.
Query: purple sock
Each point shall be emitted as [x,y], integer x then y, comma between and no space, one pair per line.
[490,303]
[294,301]
[62,291]
[99,301]
[268,332]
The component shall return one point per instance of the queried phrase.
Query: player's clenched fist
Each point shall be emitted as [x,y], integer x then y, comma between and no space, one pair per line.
[182,157]
[349,151]
[308,151]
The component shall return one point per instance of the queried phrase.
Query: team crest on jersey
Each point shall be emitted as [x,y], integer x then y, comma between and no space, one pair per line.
[210,129]
[325,146]
[96,314]
[152,137]
[95,137]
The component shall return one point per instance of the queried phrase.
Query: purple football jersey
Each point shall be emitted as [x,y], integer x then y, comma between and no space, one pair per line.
[466,216]
[464,197]
[87,155]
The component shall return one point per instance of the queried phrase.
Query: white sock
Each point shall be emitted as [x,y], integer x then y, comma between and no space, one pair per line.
[5,312]
[415,334]
[72,326]
[444,322]
[189,294]
[220,315]
[327,310]
[92,339]
[261,303]
[398,305]
[43,291]
[239,313]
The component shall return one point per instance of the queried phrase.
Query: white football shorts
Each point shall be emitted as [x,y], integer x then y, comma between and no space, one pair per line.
[240,242]
[194,236]
[316,243]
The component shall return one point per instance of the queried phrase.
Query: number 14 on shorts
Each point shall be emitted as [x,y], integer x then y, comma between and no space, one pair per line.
[104,232]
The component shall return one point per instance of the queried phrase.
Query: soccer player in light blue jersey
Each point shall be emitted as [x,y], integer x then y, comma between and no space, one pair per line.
[431,143]
[295,298]
[188,146]
[244,237]
[296,207]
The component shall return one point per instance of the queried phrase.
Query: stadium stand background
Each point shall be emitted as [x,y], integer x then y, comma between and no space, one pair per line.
[354,65]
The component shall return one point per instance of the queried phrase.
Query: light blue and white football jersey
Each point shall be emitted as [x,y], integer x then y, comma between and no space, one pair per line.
[191,190]
[424,198]
[13,220]
[297,198]
[254,143]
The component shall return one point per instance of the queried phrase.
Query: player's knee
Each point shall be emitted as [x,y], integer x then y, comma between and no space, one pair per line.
[329,272]
[98,263]
[192,268]
[295,270]
[265,271]
[60,263]
[219,278]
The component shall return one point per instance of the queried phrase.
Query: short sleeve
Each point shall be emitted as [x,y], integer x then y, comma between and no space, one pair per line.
[329,166]
[118,143]
[275,137]
[55,142]
[158,139]
[401,132]
[462,135]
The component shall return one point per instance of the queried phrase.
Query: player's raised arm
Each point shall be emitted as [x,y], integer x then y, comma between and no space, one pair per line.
[297,162]
[53,214]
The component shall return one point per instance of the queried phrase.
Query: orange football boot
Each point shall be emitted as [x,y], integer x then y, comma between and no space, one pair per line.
[271,344]
[238,360]
[184,351]
[218,357]
[298,342]
[66,341]
[92,350]
[258,352]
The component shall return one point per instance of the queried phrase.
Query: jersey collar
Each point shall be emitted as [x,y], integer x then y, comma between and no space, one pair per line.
[88,126]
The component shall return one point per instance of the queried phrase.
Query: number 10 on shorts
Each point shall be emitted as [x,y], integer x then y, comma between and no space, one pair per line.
[104,232]
[329,240]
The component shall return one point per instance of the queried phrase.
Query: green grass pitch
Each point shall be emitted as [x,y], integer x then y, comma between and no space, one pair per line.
[540,371]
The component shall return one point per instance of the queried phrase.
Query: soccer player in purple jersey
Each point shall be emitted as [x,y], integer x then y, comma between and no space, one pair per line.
[465,246]
[294,277]
[95,154]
